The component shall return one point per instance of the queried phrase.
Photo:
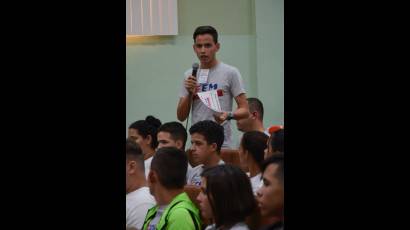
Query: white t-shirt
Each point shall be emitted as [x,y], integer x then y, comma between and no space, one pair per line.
[147,164]
[194,177]
[255,182]
[228,82]
[137,204]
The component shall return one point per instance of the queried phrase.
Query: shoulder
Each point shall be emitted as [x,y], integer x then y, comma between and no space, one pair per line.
[179,211]
[229,68]
[180,215]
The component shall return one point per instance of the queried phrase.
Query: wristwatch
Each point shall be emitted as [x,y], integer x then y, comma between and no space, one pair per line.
[230,116]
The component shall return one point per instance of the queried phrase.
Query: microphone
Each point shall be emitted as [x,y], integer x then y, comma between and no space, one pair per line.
[195,67]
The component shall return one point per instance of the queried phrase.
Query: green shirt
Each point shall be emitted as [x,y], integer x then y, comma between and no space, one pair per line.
[180,214]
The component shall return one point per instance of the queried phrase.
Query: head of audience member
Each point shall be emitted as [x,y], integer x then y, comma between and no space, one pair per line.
[172,134]
[144,132]
[167,176]
[207,138]
[275,143]
[251,150]
[270,196]
[206,45]
[134,165]
[226,195]
[254,122]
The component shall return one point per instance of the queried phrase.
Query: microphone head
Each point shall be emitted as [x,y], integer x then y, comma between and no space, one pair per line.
[195,66]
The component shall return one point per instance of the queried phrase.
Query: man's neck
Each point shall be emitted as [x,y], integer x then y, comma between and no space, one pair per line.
[149,153]
[209,65]
[137,184]
[213,160]
[253,169]
[165,196]
[258,126]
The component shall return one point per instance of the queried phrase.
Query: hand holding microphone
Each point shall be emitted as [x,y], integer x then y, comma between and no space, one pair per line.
[190,83]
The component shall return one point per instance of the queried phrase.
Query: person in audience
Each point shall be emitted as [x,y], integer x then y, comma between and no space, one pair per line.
[226,197]
[270,196]
[255,120]
[275,144]
[144,132]
[206,142]
[172,134]
[166,180]
[251,155]
[138,197]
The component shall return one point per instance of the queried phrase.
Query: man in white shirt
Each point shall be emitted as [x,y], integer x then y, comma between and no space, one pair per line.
[206,139]
[138,198]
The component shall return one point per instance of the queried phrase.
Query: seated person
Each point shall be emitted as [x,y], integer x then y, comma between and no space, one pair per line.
[226,197]
[138,198]
[166,180]
[144,132]
[251,155]
[270,196]
[275,143]
[206,139]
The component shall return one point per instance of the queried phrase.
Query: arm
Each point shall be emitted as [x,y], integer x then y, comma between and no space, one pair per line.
[184,104]
[241,112]
[243,109]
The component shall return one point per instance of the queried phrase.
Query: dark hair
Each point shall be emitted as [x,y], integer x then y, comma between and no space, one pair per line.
[212,131]
[255,143]
[255,105]
[275,159]
[170,164]
[176,130]
[229,193]
[134,152]
[276,141]
[206,30]
[146,127]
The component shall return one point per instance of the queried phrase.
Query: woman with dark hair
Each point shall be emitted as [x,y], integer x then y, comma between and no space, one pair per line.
[251,155]
[144,132]
[226,197]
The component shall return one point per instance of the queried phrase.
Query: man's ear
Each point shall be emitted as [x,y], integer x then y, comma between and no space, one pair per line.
[179,144]
[152,177]
[149,139]
[245,155]
[214,147]
[254,115]
[217,46]
[131,167]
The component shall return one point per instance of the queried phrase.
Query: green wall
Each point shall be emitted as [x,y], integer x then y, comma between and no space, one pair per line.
[269,56]
[249,40]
